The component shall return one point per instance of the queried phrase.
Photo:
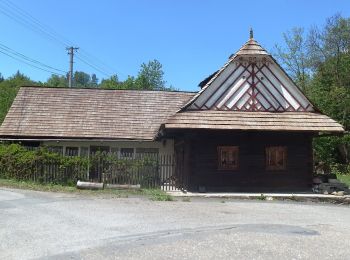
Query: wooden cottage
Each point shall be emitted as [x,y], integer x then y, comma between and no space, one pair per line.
[248,128]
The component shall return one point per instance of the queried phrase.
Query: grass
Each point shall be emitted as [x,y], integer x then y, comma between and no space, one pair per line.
[153,194]
[29,185]
[344,178]
[262,197]
[158,195]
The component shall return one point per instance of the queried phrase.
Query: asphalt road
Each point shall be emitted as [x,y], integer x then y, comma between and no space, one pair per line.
[67,226]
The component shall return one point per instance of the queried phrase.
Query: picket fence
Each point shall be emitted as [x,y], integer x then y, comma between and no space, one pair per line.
[144,170]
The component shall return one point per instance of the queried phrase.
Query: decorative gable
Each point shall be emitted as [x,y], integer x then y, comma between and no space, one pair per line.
[251,81]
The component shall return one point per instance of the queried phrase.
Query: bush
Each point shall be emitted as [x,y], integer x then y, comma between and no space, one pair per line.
[333,153]
[141,170]
[16,162]
[41,165]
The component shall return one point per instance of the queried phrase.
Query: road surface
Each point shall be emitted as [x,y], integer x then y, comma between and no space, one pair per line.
[40,225]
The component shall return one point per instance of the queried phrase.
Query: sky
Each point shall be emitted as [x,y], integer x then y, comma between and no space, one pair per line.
[190,38]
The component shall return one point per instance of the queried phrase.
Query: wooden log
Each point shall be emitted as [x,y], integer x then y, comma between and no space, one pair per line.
[89,185]
[123,186]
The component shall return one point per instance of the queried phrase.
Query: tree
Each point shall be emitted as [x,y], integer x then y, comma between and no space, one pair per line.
[57,81]
[330,42]
[150,76]
[129,83]
[295,56]
[81,79]
[8,91]
[94,81]
[323,56]
[111,83]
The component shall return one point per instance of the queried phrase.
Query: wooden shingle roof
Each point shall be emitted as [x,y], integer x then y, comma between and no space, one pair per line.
[260,121]
[252,47]
[39,112]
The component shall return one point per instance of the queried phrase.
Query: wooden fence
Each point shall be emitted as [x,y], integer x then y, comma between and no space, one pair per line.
[146,170]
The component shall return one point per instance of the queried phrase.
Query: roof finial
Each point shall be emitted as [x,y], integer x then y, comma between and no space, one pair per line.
[251,33]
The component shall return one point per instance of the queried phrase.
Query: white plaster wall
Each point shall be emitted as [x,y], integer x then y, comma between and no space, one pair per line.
[165,147]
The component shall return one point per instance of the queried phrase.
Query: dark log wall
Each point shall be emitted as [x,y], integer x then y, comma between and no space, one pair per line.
[202,161]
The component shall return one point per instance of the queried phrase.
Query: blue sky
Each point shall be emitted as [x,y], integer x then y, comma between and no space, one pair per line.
[191,38]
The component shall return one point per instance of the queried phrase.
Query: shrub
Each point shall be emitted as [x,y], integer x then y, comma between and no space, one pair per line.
[16,162]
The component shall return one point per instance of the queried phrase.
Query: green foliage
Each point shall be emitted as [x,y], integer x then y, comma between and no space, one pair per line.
[111,83]
[57,81]
[294,56]
[261,197]
[344,178]
[31,185]
[81,79]
[158,195]
[331,90]
[340,169]
[93,81]
[9,89]
[143,171]
[16,162]
[151,76]
[323,54]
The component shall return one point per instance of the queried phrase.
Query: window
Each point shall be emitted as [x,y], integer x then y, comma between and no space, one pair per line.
[276,158]
[84,151]
[228,157]
[55,149]
[72,151]
[147,152]
[127,152]
[114,150]
[99,149]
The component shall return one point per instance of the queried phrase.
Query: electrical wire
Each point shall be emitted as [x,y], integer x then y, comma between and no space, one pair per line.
[46,29]
[8,49]
[32,65]
[87,63]
[21,16]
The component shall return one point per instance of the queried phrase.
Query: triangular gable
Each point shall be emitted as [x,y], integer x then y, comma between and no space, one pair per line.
[251,81]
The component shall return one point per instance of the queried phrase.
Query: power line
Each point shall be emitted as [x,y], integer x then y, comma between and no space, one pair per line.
[32,65]
[87,63]
[27,24]
[12,51]
[44,27]
[21,16]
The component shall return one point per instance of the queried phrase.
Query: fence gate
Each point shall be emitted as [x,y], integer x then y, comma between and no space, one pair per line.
[175,179]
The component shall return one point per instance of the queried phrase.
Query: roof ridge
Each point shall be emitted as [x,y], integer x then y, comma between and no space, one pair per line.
[103,89]
[246,48]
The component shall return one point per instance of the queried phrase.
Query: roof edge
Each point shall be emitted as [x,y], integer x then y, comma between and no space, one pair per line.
[102,89]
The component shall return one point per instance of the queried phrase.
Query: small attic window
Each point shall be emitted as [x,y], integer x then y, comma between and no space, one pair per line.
[243,77]
[262,78]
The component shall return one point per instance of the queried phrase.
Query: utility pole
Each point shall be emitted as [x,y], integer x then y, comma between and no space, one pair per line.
[71,51]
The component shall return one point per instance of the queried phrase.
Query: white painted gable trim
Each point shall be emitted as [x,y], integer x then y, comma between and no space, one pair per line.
[251,84]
